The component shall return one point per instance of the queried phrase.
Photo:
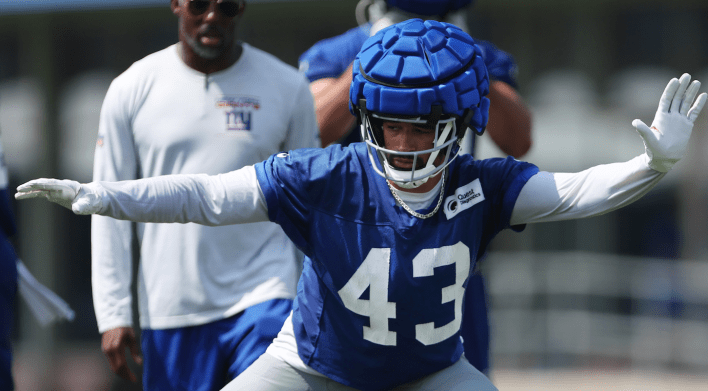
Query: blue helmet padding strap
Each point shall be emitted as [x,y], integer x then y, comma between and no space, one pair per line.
[466,121]
[435,114]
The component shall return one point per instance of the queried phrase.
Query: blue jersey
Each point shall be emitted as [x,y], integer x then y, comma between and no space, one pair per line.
[380,298]
[330,57]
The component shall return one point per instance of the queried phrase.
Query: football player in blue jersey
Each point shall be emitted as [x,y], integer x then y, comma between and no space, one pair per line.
[327,65]
[392,227]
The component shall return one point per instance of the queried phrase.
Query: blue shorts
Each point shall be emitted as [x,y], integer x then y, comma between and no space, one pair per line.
[8,290]
[208,356]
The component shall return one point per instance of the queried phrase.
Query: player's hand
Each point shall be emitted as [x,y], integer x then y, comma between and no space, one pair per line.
[81,199]
[667,139]
[113,344]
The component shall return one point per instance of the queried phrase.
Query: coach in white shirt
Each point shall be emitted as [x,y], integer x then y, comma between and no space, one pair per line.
[211,299]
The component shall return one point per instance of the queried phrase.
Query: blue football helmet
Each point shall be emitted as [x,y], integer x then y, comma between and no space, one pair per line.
[424,72]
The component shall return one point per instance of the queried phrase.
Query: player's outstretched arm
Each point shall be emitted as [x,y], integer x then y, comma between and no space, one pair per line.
[231,198]
[601,189]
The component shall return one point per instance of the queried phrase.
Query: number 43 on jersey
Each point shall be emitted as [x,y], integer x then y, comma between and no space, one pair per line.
[373,274]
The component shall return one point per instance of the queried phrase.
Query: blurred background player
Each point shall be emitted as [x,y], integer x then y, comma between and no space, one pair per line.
[368,313]
[328,66]
[8,279]
[210,299]
[44,304]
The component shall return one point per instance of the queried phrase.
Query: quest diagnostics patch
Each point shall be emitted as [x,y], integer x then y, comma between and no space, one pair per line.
[464,198]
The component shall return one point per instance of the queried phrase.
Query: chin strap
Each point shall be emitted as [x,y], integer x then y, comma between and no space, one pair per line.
[410,185]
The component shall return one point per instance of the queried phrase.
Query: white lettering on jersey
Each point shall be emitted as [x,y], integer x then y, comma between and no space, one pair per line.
[464,198]
[424,265]
[373,273]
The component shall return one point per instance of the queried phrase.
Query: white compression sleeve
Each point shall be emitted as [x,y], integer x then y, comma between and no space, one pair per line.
[231,198]
[595,191]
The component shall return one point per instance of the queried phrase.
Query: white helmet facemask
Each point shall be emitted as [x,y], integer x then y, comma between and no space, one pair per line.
[445,141]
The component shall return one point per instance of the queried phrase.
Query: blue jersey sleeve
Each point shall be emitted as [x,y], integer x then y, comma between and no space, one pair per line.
[301,181]
[500,64]
[505,177]
[282,179]
[331,57]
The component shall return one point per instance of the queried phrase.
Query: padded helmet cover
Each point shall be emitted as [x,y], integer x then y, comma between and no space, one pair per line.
[409,67]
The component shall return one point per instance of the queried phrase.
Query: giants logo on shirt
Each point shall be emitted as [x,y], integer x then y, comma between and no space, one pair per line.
[238,111]
[238,120]
[464,198]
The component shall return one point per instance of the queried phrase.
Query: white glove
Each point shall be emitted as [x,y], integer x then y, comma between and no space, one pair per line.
[667,139]
[81,199]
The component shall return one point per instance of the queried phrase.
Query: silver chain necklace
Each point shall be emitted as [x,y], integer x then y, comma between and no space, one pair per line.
[411,211]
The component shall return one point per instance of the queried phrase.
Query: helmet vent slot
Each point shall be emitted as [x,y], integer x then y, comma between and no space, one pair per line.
[425,52]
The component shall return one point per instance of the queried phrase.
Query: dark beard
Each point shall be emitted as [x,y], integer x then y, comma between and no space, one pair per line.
[420,163]
[202,51]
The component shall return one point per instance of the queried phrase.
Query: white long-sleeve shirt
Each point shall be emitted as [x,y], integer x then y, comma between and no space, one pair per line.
[161,117]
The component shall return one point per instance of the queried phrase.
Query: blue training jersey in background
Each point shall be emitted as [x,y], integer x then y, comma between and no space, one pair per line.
[380,298]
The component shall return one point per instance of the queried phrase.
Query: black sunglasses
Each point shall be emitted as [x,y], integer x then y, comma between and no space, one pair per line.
[227,8]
